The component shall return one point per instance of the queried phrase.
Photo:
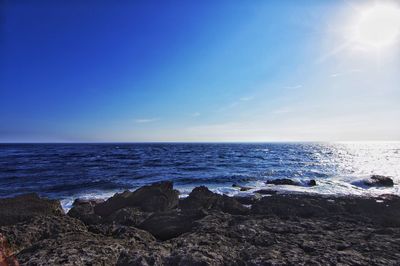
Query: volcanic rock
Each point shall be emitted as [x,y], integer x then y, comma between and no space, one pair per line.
[241,188]
[281,229]
[25,234]
[84,211]
[156,197]
[379,181]
[171,224]
[248,200]
[25,207]
[283,181]
[312,183]
[202,198]
[266,192]
[130,216]
[82,248]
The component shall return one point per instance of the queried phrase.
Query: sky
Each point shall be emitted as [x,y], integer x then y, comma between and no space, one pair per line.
[144,71]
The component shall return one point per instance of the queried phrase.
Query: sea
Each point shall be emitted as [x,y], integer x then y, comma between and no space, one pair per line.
[70,171]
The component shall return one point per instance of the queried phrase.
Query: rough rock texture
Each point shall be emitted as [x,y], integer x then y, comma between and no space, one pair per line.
[23,235]
[248,200]
[171,224]
[128,216]
[203,198]
[84,211]
[25,207]
[283,181]
[384,210]
[157,197]
[241,188]
[81,248]
[379,181]
[210,229]
[266,192]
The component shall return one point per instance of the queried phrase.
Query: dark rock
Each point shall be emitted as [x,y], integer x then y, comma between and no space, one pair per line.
[152,255]
[25,207]
[203,198]
[312,183]
[291,229]
[283,181]
[292,205]
[247,200]
[171,224]
[84,211]
[81,248]
[379,181]
[156,197]
[128,216]
[92,202]
[130,233]
[25,234]
[266,192]
[241,188]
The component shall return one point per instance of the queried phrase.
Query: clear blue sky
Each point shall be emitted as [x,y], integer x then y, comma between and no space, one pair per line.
[197,71]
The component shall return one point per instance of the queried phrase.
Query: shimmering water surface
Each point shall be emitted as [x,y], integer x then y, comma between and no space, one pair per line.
[67,171]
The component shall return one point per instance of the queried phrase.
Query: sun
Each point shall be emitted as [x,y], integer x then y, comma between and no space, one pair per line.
[378,26]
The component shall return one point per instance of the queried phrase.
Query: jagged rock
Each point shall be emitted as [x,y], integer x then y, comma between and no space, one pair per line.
[379,181]
[248,200]
[128,216]
[171,224]
[156,197]
[291,206]
[282,229]
[84,211]
[25,234]
[266,192]
[150,256]
[241,188]
[312,183]
[25,207]
[77,248]
[283,181]
[130,233]
[202,198]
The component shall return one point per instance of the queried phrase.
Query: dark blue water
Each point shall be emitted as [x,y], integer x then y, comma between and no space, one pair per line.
[72,170]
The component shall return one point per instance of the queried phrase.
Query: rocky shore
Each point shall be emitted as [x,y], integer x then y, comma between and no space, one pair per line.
[152,226]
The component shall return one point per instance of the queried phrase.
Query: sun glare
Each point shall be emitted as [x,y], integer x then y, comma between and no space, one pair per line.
[378,26]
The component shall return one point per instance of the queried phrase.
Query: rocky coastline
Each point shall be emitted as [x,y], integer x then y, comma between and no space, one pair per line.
[153,226]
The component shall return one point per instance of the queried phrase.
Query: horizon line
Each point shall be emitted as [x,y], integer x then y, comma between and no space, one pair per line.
[200,142]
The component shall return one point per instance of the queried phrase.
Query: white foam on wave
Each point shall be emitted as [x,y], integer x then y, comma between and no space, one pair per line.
[67,202]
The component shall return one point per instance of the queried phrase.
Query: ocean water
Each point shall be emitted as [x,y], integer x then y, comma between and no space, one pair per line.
[69,171]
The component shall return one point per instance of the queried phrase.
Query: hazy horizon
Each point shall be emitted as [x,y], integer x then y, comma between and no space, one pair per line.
[230,71]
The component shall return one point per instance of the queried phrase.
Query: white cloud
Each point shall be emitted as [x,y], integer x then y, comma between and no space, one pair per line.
[145,120]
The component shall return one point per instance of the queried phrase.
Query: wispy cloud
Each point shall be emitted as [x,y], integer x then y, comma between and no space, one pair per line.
[145,120]
[356,70]
[293,87]
[195,114]
[239,102]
